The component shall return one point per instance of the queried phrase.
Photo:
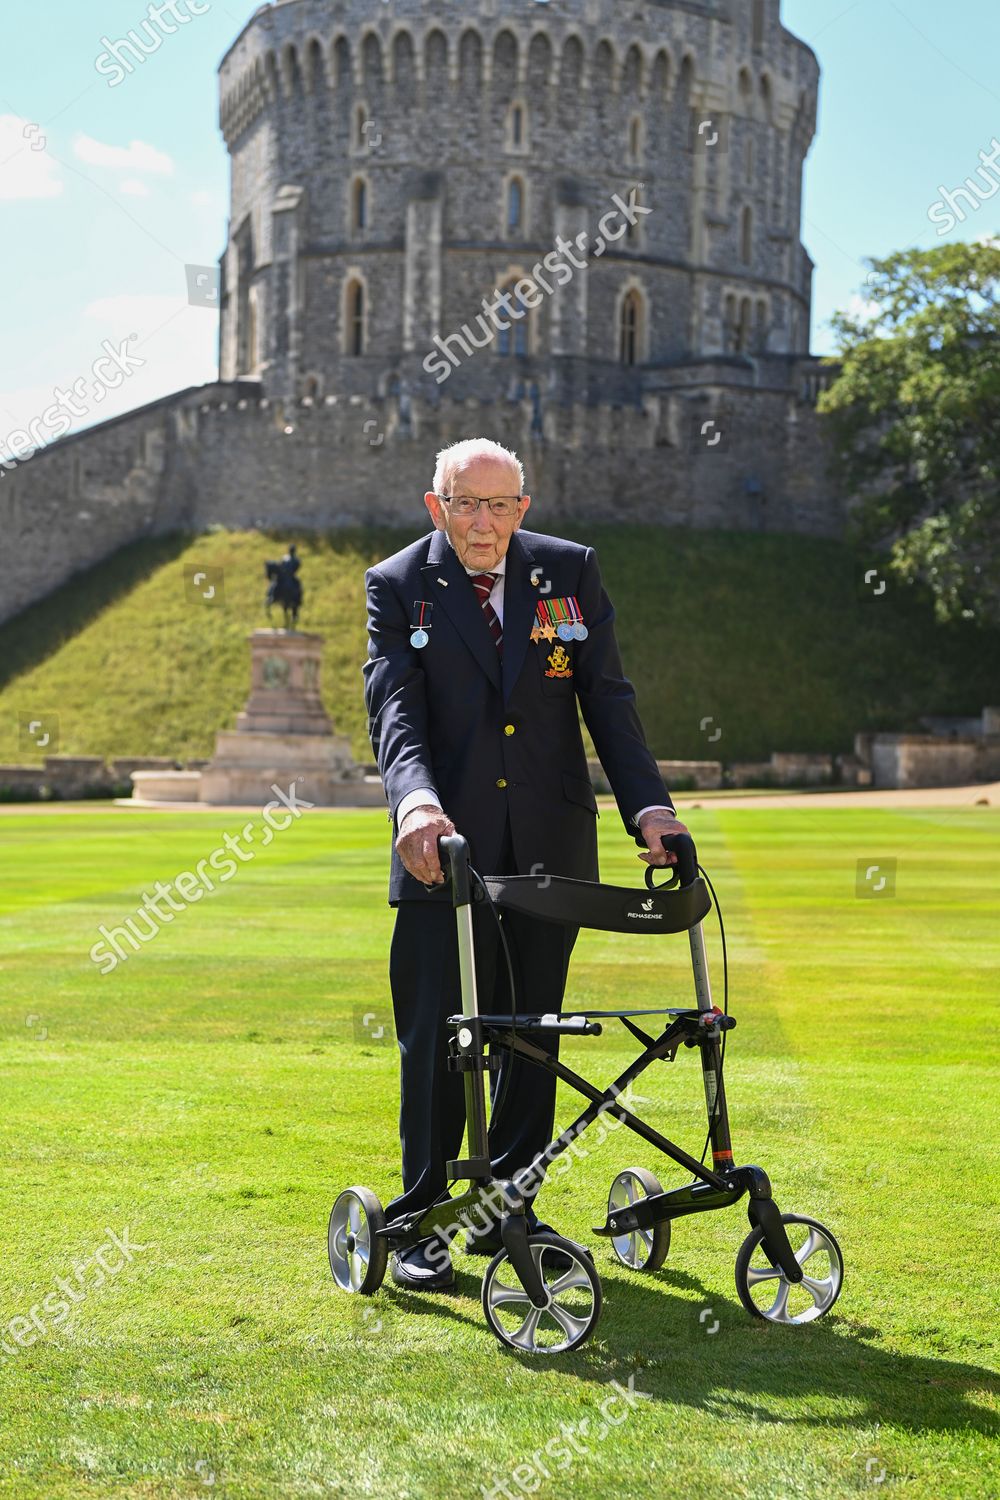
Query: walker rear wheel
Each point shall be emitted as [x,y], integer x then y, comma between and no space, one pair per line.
[643,1249]
[764,1288]
[573,1308]
[358,1256]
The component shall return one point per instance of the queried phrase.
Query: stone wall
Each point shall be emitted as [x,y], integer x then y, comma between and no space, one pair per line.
[223,455]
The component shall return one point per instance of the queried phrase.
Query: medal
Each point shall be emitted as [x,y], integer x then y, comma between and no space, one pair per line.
[420,623]
[560,618]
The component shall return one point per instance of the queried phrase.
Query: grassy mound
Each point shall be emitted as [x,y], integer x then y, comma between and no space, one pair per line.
[771,640]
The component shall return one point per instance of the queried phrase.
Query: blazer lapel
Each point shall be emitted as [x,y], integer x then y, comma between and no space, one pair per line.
[453,592]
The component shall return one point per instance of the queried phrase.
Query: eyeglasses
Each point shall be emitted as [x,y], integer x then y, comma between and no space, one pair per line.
[468,505]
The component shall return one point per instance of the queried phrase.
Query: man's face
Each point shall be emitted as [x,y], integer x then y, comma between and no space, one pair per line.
[480,540]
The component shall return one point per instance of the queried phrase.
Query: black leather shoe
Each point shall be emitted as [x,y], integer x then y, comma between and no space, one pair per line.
[420,1271]
[488,1242]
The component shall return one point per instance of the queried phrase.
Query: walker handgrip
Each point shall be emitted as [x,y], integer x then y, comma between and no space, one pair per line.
[681,844]
[453,852]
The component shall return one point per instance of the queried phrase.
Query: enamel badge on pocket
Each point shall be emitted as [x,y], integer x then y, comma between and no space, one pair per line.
[559,663]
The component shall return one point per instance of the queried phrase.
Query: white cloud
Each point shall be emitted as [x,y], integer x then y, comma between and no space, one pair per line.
[133,187]
[135,157]
[176,341]
[202,197]
[26,169]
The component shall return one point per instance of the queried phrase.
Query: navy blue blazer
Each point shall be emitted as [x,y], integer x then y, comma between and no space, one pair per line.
[494,737]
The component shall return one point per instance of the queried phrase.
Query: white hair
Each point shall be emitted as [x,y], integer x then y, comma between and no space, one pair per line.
[459,454]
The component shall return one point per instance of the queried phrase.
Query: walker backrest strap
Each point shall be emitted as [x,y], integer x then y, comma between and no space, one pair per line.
[612,908]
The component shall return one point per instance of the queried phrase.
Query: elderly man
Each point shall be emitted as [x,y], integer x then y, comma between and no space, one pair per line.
[483,638]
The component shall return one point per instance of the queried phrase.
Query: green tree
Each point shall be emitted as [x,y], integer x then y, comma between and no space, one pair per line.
[914,417]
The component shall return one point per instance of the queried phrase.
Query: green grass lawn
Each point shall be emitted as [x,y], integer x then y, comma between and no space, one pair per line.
[213,1094]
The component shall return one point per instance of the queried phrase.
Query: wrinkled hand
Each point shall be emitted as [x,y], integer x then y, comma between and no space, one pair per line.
[417,842]
[653,826]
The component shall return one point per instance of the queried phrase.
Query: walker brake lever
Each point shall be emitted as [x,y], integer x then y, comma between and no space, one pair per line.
[686,866]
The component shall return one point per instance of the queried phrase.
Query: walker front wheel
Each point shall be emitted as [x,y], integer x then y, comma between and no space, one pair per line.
[765,1290]
[358,1256]
[643,1249]
[574,1299]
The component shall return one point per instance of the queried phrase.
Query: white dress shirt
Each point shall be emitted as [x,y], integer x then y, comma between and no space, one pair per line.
[425,796]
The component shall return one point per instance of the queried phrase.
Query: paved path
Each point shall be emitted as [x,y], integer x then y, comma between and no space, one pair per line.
[983,796]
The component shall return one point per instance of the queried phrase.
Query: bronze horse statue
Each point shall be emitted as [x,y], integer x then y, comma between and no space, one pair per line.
[284,588]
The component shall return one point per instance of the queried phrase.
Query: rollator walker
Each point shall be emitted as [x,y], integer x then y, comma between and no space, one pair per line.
[541,1293]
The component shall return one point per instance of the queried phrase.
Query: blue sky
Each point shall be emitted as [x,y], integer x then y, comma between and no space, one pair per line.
[108,193]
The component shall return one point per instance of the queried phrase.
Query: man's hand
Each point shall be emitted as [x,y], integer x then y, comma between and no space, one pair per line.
[653,826]
[417,842]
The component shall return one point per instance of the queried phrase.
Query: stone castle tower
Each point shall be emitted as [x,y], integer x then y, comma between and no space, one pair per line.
[571,226]
[392,165]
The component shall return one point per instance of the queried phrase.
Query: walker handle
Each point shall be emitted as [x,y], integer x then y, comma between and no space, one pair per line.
[681,844]
[453,852]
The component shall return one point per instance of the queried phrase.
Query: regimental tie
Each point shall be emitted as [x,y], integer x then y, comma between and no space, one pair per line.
[483,585]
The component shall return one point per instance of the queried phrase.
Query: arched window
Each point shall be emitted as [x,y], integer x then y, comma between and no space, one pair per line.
[355,306]
[359,204]
[743,330]
[635,139]
[760,336]
[514,338]
[729,325]
[630,329]
[517,126]
[746,235]
[515,205]
[758,24]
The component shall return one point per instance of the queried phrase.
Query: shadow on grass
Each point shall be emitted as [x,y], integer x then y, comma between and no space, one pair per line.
[650,1333]
[33,635]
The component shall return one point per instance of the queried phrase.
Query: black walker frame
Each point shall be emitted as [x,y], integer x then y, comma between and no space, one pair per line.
[639,1210]
[669,909]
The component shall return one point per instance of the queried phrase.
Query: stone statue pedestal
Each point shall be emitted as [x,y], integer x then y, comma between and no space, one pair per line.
[284,735]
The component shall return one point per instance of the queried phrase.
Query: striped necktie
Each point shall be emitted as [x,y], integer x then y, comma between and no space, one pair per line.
[483,585]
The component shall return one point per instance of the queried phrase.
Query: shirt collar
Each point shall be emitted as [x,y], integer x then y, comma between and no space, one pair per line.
[500,567]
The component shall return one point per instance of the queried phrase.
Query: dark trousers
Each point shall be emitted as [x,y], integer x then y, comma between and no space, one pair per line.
[424,978]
